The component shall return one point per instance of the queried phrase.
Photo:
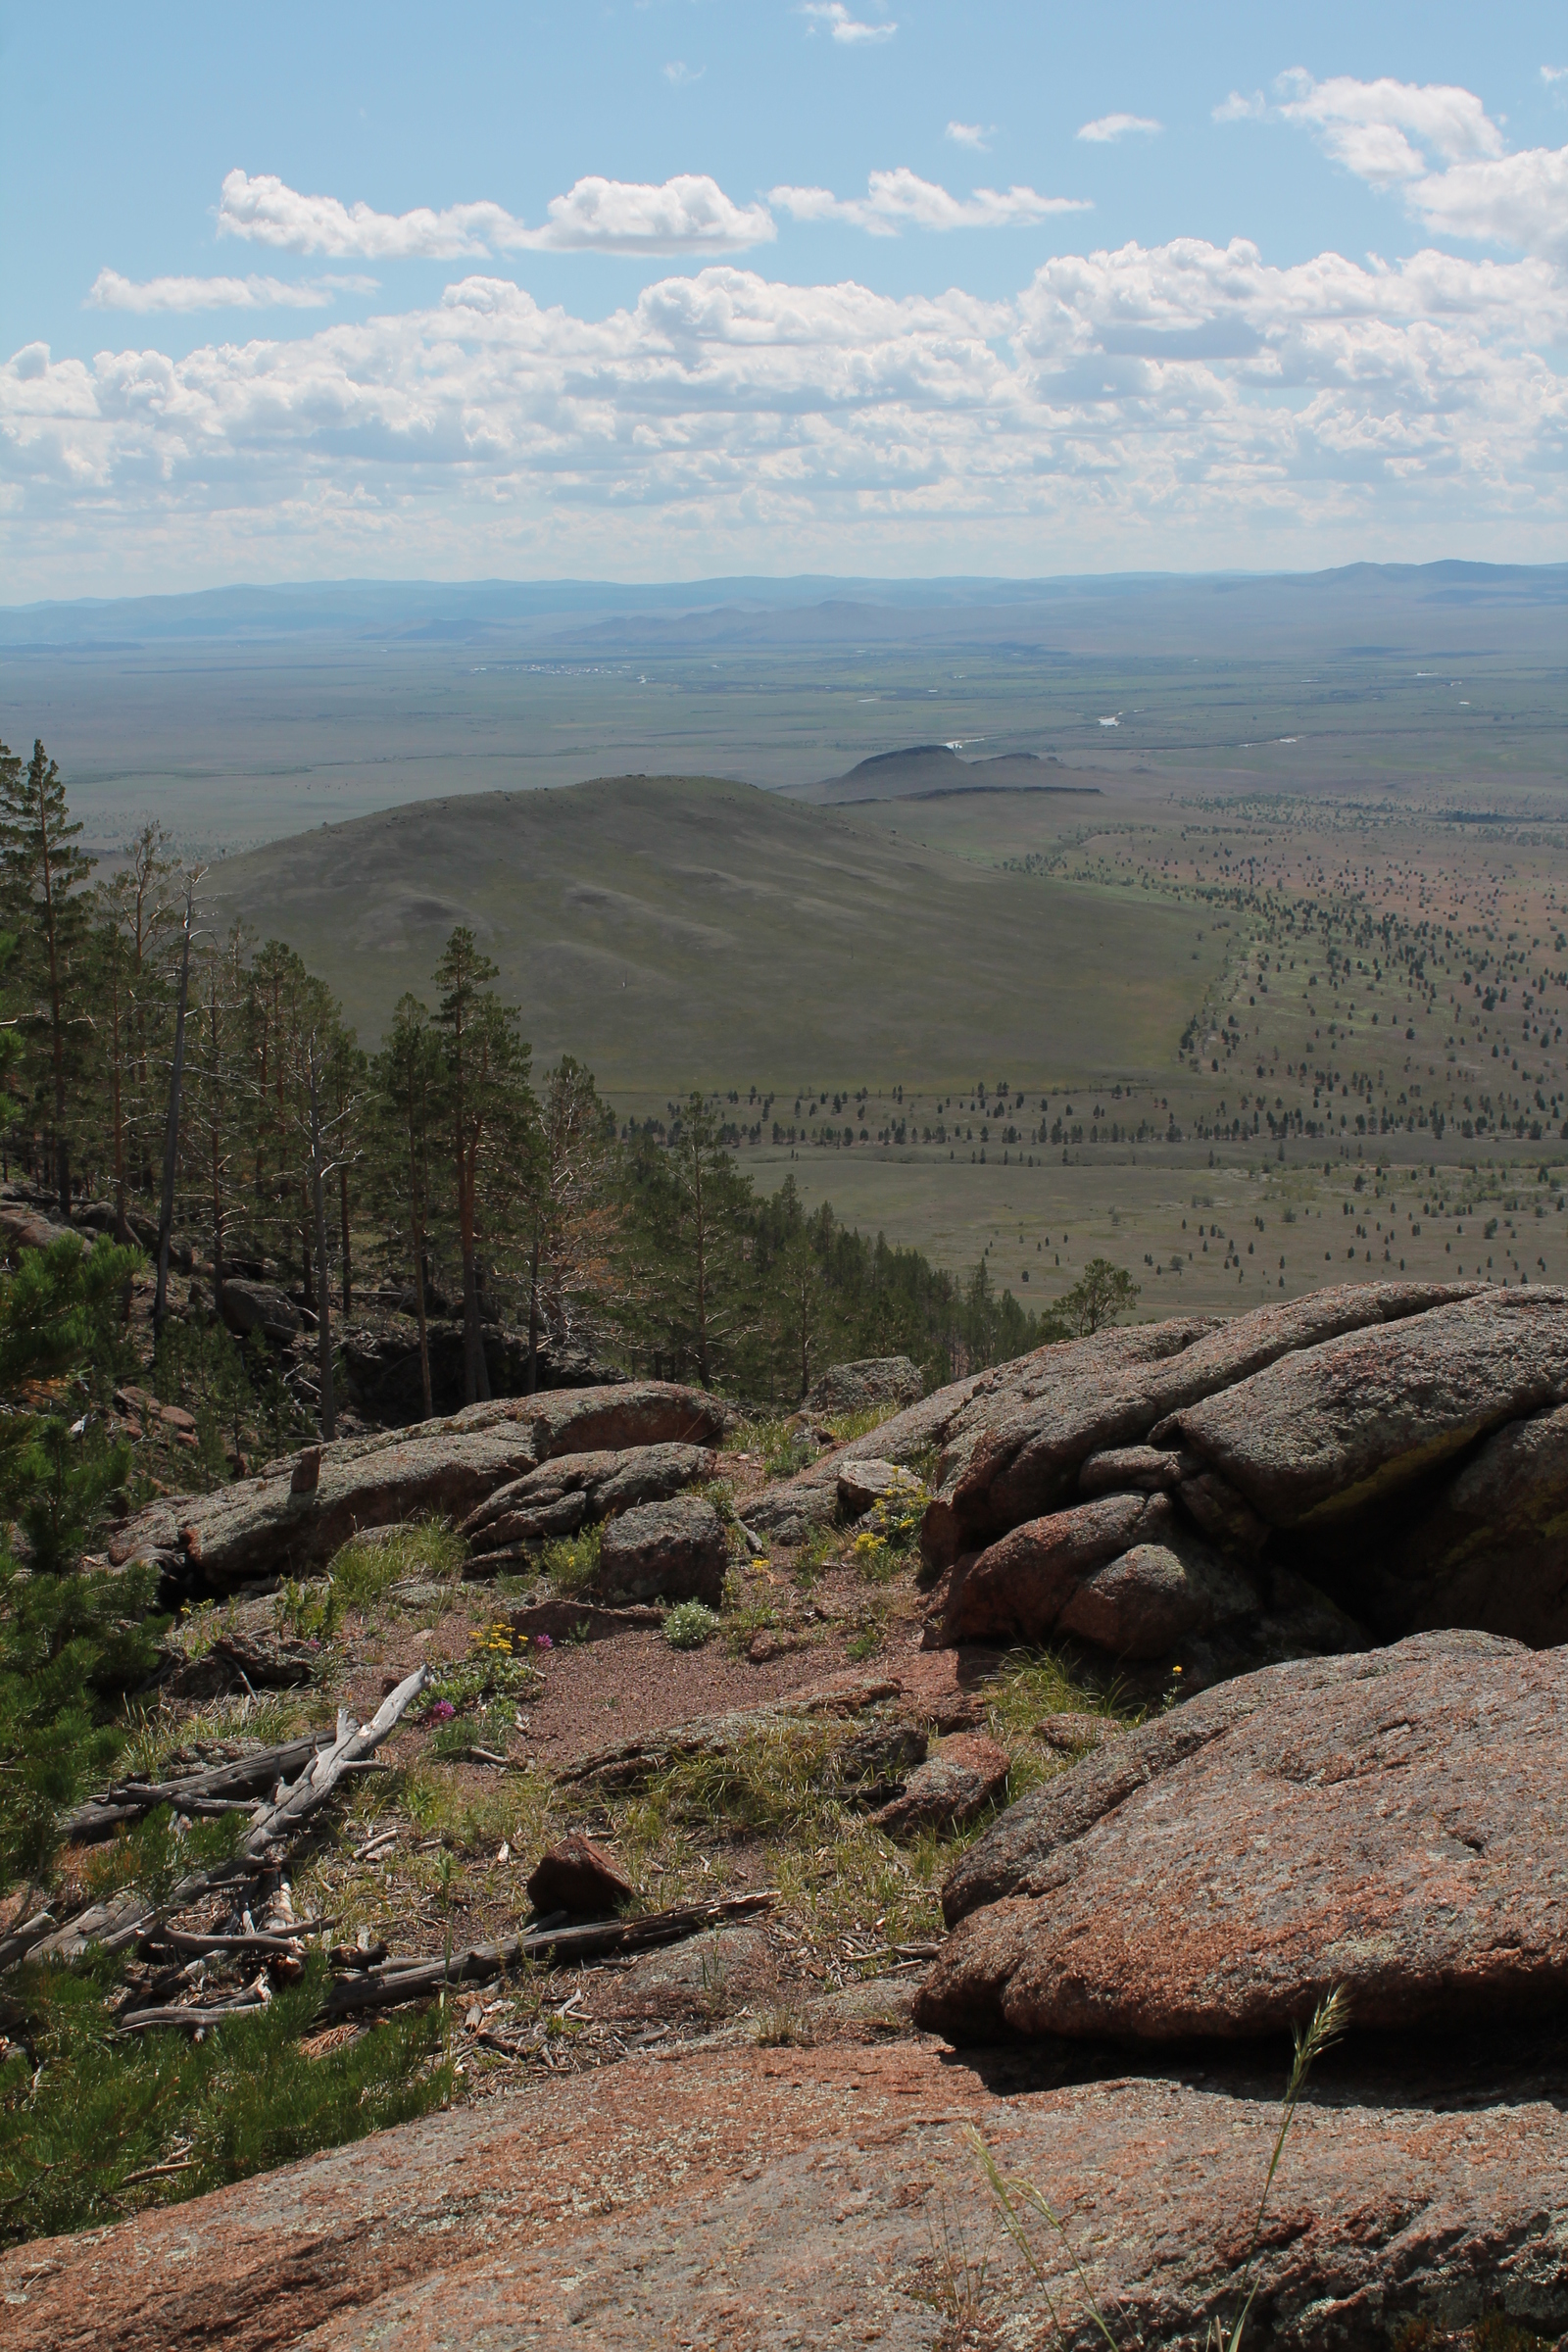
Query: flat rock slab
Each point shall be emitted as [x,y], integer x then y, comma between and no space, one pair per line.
[1394,1822]
[788,2198]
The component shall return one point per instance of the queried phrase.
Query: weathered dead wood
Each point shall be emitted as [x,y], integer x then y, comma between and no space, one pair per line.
[221,1789]
[130,1917]
[279,1947]
[414,1980]
[191,2020]
[21,1941]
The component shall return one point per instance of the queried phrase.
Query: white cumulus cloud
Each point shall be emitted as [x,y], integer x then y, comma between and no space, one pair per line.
[265,211]
[1107,127]
[689,212]
[901,199]
[968,134]
[1435,146]
[1383,130]
[1179,404]
[112,292]
[852,30]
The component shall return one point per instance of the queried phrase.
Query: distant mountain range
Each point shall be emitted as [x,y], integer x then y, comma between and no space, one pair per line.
[677,615]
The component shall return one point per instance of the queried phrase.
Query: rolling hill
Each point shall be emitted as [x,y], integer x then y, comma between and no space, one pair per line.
[932,771]
[684,930]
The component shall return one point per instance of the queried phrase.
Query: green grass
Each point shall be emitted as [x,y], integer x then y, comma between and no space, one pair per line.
[426,1551]
[94,2125]
[571,1562]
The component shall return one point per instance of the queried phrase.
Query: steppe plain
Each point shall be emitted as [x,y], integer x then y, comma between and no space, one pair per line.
[1218,1000]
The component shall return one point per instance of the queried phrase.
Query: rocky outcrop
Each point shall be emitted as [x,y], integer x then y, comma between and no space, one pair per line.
[784,2196]
[675,1550]
[858,1388]
[1331,1430]
[1394,1823]
[1365,1462]
[266,1525]
[575,1490]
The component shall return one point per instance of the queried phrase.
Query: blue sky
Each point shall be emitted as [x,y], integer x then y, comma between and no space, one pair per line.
[688,286]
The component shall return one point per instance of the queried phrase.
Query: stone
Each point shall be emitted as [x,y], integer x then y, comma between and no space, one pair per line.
[1016,1445]
[950,1789]
[1394,1822]
[1143,1469]
[855,1387]
[1331,1430]
[753,2196]
[259,1306]
[674,1550]
[245,1659]
[1017,1590]
[1494,1550]
[863,1482]
[575,1490]
[581,1621]
[579,1878]
[259,1527]
[1146,1601]
[1076,1735]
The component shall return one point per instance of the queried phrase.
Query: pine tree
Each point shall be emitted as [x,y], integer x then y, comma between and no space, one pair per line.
[487,1104]
[571,1211]
[43,873]
[689,1251]
[407,1078]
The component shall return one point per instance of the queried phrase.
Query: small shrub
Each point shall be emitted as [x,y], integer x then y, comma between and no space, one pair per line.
[688,1625]
[312,1611]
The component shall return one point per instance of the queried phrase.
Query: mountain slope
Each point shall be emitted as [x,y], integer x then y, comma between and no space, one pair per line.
[674,931]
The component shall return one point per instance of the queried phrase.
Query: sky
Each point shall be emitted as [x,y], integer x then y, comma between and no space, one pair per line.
[668,289]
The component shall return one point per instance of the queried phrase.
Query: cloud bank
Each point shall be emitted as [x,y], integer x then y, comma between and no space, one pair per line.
[1148,404]
[1127,405]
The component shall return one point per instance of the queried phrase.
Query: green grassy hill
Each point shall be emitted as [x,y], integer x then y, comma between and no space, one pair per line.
[677,930]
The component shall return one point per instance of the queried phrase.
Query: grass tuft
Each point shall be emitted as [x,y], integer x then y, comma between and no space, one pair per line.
[427,1551]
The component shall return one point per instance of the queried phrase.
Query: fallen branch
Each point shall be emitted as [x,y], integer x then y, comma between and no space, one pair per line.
[131,1917]
[412,1980]
[279,1947]
[224,1788]
[192,2020]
